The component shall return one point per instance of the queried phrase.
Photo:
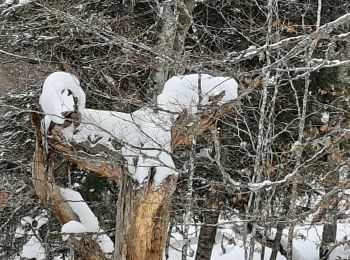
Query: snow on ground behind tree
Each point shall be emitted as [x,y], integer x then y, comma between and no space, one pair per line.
[306,243]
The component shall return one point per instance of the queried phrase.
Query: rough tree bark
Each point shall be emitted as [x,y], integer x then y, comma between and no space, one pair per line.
[329,233]
[173,24]
[207,235]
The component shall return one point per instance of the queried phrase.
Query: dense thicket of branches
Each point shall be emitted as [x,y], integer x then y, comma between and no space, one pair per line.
[279,158]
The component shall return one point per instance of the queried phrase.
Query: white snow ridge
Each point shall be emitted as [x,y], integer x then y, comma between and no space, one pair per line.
[88,221]
[58,93]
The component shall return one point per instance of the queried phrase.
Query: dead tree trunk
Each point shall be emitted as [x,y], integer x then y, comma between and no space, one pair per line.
[143,213]
[142,220]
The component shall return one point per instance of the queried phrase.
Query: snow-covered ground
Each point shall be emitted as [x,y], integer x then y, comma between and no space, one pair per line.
[306,244]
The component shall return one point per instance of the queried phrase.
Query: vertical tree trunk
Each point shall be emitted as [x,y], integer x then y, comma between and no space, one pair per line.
[142,220]
[207,235]
[277,242]
[173,24]
[328,235]
[167,23]
[128,6]
[330,217]
[343,73]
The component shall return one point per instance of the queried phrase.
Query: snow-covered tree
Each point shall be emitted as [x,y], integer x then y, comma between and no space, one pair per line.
[209,173]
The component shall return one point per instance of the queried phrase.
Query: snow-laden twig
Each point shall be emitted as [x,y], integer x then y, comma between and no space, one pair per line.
[191,167]
[319,9]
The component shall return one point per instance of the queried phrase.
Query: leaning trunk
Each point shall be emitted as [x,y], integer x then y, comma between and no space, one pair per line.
[50,195]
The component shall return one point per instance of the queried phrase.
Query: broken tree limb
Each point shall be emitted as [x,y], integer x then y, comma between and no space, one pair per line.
[99,164]
[182,132]
[50,195]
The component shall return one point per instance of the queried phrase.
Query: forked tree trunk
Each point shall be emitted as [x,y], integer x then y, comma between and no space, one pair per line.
[142,216]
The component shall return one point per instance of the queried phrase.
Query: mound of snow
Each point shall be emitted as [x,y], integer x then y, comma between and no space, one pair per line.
[72,227]
[182,92]
[58,93]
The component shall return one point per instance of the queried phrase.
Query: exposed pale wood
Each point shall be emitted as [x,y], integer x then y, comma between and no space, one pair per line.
[50,195]
[148,230]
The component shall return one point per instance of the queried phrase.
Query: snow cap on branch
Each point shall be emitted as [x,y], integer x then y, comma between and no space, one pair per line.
[182,92]
[58,93]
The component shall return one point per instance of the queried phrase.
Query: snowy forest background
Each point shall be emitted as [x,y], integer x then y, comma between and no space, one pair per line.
[268,180]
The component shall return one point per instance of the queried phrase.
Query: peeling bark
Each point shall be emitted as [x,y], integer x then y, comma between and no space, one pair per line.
[148,230]
[142,220]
